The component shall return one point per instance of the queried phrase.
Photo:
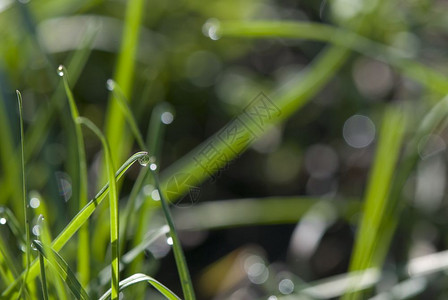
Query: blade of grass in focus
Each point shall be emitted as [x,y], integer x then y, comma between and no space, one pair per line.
[83,259]
[376,203]
[339,37]
[137,278]
[64,271]
[24,197]
[113,200]
[68,232]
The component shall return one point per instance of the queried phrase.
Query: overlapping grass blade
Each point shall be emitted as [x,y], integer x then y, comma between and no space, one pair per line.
[181,263]
[68,232]
[113,200]
[61,266]
[124,77]
[84,244]
[43,273]
[376,204]
[137,278]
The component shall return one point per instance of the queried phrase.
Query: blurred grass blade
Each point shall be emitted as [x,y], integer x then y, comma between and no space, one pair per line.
[137,278]
[113,200]
[24,196]
[255,211]
[122,101]
[181,263]
[376,204]
[14,225]
[129,257]
[124,77]
[339,37]
[69,231]
[59,264]
[83,259]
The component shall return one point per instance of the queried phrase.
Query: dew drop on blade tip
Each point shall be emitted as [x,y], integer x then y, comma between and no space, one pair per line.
[61,70]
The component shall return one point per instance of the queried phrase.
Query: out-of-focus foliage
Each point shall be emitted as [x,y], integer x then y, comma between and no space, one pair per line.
[301,143]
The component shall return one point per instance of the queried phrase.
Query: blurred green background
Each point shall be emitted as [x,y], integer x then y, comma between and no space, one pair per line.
[312,165]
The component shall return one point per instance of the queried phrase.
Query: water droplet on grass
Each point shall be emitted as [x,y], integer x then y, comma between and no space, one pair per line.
[144,160]
[61,70]
[211,28]
[2,221]
[34,202]
[110,84]
[169,241]
[36,230]
[167,118]
[286,286]
[153,167]
[155,195]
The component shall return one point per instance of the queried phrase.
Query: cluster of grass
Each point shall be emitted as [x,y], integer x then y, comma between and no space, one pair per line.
[98,249]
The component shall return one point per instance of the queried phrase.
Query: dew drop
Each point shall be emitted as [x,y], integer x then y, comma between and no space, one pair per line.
[211,28]
[61,70]
[144,160]
[169,241]
[34,202]
[286,286]
[167,117]
[36,230]
[110,84]
[153,167]
[155,195]
[2,221]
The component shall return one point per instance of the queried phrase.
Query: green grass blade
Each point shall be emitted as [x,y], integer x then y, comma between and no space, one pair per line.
[132,254]
[113,199]
[69,231]
[24,196]
[137,278]
[339,37]
[43,275]
[376,204]
[124,77]
[61,266]
[84,244]
[122,101]
[288,100]
[256,211]
[181,263]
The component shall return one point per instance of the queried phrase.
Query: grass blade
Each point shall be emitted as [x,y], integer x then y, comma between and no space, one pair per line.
[181,263]
[124,77]
[61,266]
[137,278]
[339,37]
[25,205]
[84,245]
[122,102]
[375,212]
[43,275]
[67,233]
[113,200]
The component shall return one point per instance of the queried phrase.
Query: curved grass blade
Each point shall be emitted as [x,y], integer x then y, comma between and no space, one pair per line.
[61,266]
[25,205]
[14,225]
[113,200]
[84,245]
[137,278]
[75,223]
[339,37]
